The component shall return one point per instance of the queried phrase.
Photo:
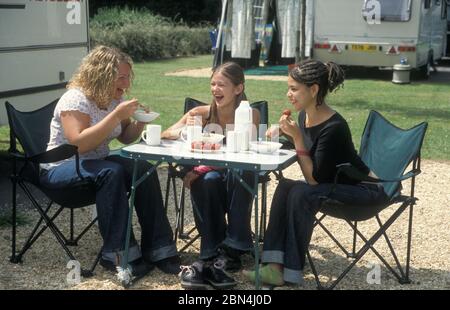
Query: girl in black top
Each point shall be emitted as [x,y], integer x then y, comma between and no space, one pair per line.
[322,140]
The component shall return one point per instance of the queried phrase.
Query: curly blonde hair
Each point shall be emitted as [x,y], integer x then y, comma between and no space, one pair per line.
[98,72]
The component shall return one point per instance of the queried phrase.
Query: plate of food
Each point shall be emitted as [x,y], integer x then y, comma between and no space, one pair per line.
[206,147]
[144,116]
[265,147]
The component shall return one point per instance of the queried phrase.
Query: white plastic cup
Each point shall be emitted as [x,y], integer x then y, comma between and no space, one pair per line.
[234,139]
[152,135]
[192,133]
[274,132]
[245,140]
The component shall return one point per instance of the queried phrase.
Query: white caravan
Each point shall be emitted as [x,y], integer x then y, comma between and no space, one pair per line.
[41,45]
[448,29]
[380,33]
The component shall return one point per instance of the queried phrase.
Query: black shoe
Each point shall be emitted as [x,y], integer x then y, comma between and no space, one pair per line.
[170,265]
[192,277]
[216,276]
[231,257]
[139,268]
[232,264]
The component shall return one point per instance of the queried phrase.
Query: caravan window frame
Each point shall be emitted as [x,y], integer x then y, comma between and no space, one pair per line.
[444,10]
[397,18]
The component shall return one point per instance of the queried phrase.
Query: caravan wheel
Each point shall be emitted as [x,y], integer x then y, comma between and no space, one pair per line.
[425,70]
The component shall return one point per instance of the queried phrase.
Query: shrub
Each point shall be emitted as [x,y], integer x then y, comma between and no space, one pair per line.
[145,36]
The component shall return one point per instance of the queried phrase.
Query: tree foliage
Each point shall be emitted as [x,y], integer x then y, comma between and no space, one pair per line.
[188,11]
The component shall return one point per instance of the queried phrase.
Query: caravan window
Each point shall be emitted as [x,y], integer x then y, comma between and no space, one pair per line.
[390,10]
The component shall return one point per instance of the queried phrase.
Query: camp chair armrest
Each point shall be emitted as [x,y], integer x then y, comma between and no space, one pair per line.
[59,153]
[406,176]
[350,171]
[17,155]
[353,173]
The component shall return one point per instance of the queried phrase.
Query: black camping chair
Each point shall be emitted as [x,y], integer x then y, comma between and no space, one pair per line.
[388,151]
[177,171]
[32,131]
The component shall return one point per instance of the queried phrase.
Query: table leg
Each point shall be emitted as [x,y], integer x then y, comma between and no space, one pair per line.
[254,192]
[124,274]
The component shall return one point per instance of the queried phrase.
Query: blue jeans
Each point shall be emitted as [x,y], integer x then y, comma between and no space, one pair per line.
[112,177]
[215,195]
[292,216]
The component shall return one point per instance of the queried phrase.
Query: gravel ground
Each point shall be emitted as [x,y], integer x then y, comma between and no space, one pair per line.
[44,266]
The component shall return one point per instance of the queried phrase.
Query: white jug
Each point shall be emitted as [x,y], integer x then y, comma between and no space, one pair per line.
[243,122]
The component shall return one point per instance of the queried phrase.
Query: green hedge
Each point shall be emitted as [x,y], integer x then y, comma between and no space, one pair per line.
[145,36]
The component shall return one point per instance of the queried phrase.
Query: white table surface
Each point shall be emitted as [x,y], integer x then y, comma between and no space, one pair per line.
[176,151]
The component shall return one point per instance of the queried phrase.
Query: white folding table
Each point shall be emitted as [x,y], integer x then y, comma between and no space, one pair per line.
[176,152]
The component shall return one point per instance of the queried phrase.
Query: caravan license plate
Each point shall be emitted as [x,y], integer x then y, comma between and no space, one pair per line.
[364,48]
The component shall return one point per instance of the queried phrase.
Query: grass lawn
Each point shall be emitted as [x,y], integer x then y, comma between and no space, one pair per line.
[405,105]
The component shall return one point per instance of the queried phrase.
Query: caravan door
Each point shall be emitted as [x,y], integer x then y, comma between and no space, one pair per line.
[41,45]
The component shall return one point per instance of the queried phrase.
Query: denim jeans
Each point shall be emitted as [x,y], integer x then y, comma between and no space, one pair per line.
[112,178]
[292,215]
[215,195]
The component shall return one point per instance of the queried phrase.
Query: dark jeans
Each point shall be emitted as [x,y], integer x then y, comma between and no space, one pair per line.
[292,215]
[215,195]
[112,177]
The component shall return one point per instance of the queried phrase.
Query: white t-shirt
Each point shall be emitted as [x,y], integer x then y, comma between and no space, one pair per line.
[75,100]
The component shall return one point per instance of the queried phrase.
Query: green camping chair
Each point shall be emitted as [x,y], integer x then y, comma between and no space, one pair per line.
[388,151]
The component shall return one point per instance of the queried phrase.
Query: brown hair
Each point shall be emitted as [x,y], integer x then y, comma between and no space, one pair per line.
[98,72]
[328,76]
[235,74]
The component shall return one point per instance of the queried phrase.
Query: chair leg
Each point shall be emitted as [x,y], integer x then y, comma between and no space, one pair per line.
[72,241]
[179,210]
[14,259]
[33,235]
[183,235]
[353,253]
[262,225]
[314,271]
[380,257]
[369,245]
[190,242]
[49,222]
[85,230]
[343,249]
[166,201]
[90,273]
[174,188]
[406,279]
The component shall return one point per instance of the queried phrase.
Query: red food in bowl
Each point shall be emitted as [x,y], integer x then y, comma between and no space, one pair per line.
[196,145]
[207,146]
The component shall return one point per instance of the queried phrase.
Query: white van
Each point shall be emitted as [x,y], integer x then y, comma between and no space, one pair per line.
[41,45]
[351,32]
[448,29]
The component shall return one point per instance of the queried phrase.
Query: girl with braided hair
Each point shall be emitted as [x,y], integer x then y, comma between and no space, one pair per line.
[322,140]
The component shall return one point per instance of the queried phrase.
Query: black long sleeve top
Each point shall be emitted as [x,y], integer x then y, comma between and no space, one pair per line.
[330,144]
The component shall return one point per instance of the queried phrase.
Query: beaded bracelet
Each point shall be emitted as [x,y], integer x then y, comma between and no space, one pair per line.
[302,153]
